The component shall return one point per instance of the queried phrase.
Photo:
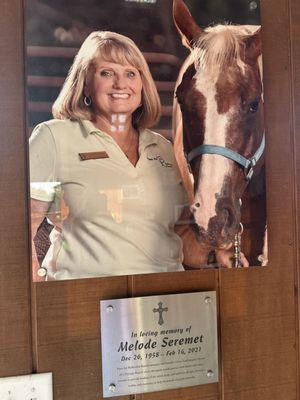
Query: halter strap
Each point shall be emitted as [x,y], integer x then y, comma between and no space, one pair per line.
[247,163]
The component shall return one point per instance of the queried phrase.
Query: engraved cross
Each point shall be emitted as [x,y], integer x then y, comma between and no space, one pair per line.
[160,310]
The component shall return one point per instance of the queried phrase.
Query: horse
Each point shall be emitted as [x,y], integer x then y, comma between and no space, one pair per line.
[219,141]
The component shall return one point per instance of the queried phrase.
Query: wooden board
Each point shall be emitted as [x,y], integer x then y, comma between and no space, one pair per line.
[15,332]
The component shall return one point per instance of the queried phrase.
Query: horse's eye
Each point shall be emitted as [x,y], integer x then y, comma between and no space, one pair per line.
[253,107]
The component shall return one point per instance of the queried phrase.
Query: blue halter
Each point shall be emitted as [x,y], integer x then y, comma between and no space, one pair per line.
[247,163]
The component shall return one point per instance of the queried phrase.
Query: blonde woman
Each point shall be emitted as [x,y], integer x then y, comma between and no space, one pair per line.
[109,185]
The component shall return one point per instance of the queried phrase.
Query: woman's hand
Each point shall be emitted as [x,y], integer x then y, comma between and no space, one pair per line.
[196,254]
[225,258]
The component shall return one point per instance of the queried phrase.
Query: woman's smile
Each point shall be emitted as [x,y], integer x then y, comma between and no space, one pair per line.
[118,96]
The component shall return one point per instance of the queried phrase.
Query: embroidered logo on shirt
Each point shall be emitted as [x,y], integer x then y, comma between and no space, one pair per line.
[161,160]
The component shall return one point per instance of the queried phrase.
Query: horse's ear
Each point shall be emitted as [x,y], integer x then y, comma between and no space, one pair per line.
[253,46]
[185,23]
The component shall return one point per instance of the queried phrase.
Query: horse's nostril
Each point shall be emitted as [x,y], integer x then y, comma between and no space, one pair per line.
[197,205]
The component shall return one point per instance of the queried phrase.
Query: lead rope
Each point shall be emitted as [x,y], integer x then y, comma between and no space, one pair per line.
[237,248]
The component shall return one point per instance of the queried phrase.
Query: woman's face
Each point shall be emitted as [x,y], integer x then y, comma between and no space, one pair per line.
[115,89]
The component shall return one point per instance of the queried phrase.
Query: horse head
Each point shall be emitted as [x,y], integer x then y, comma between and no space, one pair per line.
[219,93]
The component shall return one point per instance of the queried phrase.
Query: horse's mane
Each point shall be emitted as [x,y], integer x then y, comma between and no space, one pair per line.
[221,46]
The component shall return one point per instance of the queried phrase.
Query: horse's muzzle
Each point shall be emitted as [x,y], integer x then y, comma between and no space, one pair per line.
[221,228]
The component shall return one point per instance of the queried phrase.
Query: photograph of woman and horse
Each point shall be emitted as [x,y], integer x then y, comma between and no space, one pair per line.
[111,196]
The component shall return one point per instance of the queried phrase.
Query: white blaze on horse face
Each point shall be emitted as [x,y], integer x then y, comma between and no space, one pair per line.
[214,168]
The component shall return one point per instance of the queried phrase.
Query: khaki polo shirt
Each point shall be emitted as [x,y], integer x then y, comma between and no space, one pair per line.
[117,219]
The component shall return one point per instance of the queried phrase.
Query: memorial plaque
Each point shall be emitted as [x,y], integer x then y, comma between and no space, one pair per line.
[158,343]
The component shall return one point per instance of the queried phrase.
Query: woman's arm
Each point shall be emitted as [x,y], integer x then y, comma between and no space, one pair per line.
[39,210]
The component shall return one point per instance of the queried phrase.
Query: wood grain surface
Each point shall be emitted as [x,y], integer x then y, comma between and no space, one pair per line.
[15,332]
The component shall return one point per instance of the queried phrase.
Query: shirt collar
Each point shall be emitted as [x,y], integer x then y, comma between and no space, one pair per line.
[147,138]
[89,127]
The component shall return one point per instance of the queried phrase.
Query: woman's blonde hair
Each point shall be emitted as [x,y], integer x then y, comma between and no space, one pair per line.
[111,47]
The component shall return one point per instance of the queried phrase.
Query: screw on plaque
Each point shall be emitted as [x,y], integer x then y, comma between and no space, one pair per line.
[207,300]
[112,387]
[109,309]
[210,373]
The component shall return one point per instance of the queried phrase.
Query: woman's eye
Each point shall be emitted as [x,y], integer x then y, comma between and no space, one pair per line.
[131,74]
[105,73]
[253,107]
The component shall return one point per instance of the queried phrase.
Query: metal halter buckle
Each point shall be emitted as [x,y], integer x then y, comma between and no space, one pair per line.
[249,169]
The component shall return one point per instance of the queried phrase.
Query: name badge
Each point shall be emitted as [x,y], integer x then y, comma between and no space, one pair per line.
[94,155]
